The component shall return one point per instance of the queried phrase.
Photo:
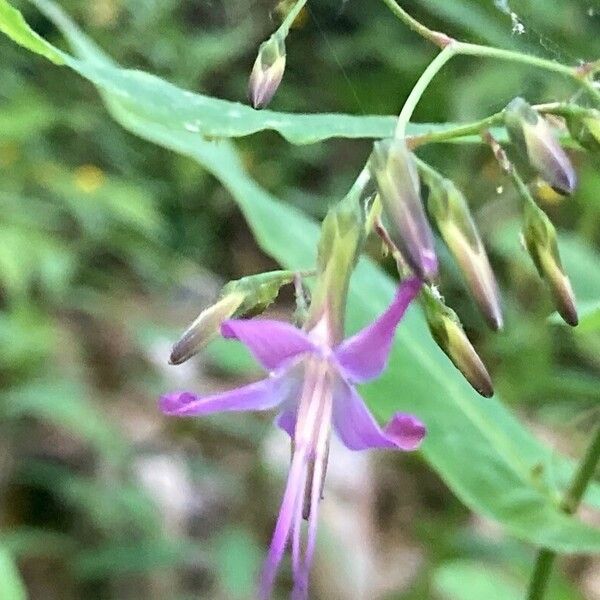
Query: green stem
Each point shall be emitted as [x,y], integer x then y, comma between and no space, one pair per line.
[285,27]
[415,95]
[545,558]
[475,127]
[436,37]
[581,77]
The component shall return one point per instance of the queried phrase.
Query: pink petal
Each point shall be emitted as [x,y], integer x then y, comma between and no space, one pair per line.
[272,343]
[358,430]
[290,505]
[286,419]
[364,355]
[262,395]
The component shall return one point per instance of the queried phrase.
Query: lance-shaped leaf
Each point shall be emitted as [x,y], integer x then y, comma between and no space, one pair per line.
[450,210]
[501,480]
[533,136]
[395,171]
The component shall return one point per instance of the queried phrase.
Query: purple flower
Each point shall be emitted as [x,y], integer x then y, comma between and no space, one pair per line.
[312,382]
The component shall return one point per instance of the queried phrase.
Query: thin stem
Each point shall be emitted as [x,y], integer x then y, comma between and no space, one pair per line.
[578,74]
[285,27]
[436,37]
[512,56]
[415,95]
[545,558]
[475,127]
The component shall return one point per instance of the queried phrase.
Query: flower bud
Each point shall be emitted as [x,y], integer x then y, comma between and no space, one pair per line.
[533,136]
[394,169]
[449,335]
[267,71]
[540,239]
[205,328]
[585,129]
[247,296]
[448,207]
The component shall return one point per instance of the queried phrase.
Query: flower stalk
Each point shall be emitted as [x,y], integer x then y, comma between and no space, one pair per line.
[570,503]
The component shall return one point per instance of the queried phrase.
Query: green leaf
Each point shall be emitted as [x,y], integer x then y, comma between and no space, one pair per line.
[125,559]
[238,558]
[472,580]
[11,585]
[475,580]
[155,99]
[66,405]
[14,26]
[478,447]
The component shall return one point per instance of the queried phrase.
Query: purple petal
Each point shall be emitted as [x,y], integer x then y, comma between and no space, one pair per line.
[290,505]
[358,430]
[261,395]
[286,419]
[364,355]
[272,343]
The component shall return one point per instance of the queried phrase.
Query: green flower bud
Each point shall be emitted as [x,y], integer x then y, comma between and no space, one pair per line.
[394,169]
[540,239]
[533,136]
[267,72]
[448,207]
[585,129]
[205,328]
[249,295]
[450,336]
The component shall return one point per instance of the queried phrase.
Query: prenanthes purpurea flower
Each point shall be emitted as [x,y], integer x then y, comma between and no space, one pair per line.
[311,381]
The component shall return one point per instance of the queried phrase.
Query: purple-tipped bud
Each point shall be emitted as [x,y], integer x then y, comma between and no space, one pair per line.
[448,207]
[447,331]
[540,239]
[394,169]
[267,72]
[533,136]
[586,130]
[205,328]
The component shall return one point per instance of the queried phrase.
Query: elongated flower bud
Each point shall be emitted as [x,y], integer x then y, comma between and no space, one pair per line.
[540,238]
[205,328]
[451,212]
[533,136]
[394,170]
[450,336]
[247,296]
[267,72]
[586,130]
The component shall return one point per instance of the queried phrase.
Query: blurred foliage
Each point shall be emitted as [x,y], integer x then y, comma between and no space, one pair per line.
[110,245]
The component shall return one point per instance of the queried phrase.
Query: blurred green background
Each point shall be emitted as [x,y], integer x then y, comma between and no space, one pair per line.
[110,246]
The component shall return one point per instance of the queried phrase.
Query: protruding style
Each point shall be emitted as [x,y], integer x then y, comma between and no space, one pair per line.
[394,169]
[450,336]
[449,209]
[267,72]
[533,136]
[540,239]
